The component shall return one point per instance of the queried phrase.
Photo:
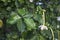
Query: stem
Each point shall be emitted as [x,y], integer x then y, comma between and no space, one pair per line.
[52,32]
[43,18]
[58,35]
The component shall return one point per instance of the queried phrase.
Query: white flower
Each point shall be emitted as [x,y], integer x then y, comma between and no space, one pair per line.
[39,3]
[42,27]
[56,39]
[58,18]
[58,26]
[31,0]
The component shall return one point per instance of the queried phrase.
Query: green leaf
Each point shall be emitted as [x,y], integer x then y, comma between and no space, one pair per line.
[22,11]
[13,18]
[34,38]
[30,23]
[21,1]
[46,33]
[21,26]
[42,38]
[38,18]
[37,37]
[29,15]
[12,35]
[4,0]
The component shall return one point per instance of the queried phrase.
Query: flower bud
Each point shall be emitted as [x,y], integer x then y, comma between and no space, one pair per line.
[58,18]
[31,0]
[42,27]
[1,23]
[39,3]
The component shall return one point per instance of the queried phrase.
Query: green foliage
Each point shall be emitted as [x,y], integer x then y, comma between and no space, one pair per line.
[22,18]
